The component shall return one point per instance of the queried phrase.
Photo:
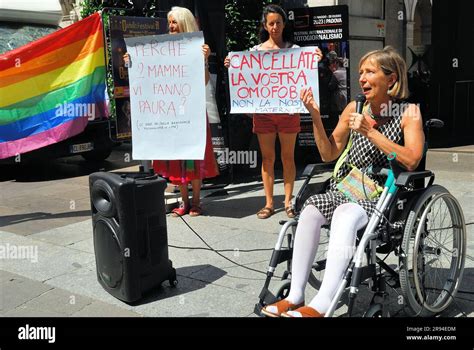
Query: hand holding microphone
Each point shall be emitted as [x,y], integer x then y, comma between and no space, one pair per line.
[360,100]
[357,121]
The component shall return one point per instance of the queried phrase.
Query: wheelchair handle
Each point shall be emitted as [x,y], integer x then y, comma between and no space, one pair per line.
[395,166]
[376,170]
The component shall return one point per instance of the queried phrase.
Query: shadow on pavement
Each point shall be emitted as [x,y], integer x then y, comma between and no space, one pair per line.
[464,300]
[7,220]
[222,204]
[63,168]
[186,283]
[238,208]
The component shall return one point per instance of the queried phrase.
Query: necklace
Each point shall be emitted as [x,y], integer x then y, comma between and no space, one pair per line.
[371,114]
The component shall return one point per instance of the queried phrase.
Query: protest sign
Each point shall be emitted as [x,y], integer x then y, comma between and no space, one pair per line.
[167,94]
[270,81]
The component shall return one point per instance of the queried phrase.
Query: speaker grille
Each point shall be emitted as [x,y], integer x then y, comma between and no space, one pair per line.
[108,254]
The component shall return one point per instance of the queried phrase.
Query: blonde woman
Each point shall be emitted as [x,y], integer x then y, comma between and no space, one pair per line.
[374,134]
[183,172]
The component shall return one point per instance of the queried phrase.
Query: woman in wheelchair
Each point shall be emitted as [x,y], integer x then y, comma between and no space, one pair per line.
[360,140]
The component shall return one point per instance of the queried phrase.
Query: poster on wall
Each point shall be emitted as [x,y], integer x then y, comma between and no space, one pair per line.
[167,96]
[122,27]
[328,28]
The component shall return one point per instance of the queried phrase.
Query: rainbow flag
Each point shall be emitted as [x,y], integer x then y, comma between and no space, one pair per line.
[51,88]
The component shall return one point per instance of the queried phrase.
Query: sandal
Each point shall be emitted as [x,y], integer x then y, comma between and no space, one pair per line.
[278,308]
[304,311]
[290,212]
[183,209]
[195,210]
[265,213]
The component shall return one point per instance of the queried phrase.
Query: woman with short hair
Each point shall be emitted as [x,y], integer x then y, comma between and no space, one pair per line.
[372,135]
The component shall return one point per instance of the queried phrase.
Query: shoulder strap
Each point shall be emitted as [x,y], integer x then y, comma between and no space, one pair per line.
[342,158]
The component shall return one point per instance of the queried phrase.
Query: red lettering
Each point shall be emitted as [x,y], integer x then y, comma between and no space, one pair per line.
[293,93]
[274,61]
[154,49]
[314,61]
[237,79]
[137,90]
[255,59]
[264,92]
[265,67]
[172,89]
[144,107]
[157,107]
[233,63]
[302,76]
[256,78]
[245,62]
[282,92]
[171,110]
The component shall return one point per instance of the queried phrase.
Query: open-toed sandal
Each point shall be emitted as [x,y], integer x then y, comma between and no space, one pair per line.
[265,213]
[278,308]
[290,212]
[195,210]
[304,311]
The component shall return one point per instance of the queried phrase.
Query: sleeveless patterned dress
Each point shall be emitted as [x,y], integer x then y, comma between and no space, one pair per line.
[362,154]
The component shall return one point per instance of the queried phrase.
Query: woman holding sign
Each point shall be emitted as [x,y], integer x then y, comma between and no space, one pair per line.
[183,172]
[275,35]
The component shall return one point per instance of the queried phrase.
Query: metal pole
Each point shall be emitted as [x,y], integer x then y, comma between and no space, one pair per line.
[146,166]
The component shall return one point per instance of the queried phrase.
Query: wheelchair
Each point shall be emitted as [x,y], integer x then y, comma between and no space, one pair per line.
[421,225]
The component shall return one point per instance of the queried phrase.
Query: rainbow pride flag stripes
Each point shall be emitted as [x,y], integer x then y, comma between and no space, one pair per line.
[51,88]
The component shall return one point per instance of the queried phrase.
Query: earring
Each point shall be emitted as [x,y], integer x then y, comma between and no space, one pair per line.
[390,89]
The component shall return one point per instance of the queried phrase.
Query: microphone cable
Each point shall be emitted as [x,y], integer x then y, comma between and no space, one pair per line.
[218,251]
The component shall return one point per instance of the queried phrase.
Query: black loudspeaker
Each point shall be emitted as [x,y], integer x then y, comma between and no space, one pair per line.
[130,236]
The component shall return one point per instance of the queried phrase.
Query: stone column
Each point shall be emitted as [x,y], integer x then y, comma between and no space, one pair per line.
[410,39]
[410,7]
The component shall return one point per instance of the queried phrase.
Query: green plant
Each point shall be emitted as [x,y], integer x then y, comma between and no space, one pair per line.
[114,7]
[243,22]
[90,7]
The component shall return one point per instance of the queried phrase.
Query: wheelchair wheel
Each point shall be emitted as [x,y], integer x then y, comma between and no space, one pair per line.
[281,289]
[374,311]
[317,272]
[433,252]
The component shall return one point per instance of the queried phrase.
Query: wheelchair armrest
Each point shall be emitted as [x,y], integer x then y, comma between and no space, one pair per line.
[434,123]
[313,169]
[406,177]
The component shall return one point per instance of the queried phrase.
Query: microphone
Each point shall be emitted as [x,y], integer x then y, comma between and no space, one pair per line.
[360,100]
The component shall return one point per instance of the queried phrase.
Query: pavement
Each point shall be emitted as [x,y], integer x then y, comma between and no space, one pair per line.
[53,218]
